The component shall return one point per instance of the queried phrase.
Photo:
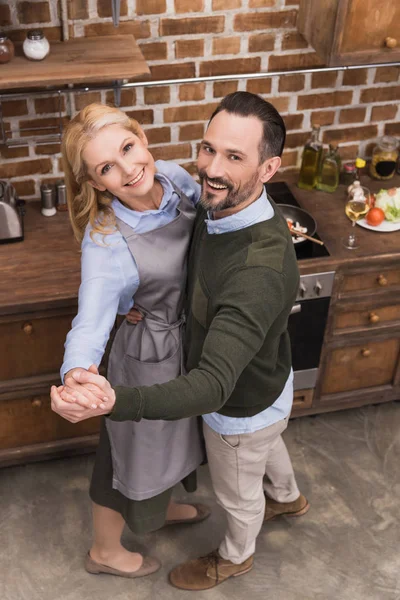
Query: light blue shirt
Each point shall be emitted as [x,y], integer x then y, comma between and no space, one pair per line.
[260,210]
[109,275]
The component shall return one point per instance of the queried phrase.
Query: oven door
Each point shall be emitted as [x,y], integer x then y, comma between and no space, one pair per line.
[306,328]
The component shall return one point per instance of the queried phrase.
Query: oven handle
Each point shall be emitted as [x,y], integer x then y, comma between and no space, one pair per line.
[296,308]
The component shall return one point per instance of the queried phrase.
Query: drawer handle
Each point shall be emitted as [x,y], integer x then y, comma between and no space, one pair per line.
[382,280]
[373,317]
[36,403]
[27,328]
[390,42]
[365,352]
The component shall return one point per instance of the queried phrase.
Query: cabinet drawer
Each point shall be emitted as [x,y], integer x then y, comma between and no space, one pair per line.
[33,346]
[367,318]
[30,420]
[371,280]
[361,366]
[303,398]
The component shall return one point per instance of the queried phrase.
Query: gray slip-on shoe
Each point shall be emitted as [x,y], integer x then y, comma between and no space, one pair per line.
[149,565]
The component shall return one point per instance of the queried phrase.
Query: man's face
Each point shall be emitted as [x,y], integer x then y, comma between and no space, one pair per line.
[229,161]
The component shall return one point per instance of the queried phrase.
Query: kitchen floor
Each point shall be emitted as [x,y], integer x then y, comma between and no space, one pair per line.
[346,548]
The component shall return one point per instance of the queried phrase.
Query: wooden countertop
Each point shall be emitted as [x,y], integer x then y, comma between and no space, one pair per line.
[43,271]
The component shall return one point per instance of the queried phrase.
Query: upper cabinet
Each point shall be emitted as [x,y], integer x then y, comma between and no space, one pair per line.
[351,32]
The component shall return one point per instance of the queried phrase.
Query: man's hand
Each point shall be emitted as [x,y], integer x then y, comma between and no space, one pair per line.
[134,316]
[89,389]
[72,411]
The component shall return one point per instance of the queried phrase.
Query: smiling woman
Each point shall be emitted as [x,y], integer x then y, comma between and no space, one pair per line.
[135,219]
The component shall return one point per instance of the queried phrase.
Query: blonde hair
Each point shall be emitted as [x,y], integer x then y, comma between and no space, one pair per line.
[85,203]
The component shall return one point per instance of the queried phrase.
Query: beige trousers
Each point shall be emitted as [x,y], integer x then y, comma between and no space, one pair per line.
[238,464]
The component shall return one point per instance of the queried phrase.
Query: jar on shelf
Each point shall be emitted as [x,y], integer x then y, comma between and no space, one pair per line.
[384,158]
[348,173]
[36,46]
[6,48]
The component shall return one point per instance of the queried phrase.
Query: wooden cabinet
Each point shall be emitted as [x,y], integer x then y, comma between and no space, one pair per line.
[345,32]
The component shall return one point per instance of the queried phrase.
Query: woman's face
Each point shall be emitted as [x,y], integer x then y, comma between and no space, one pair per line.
[117,160]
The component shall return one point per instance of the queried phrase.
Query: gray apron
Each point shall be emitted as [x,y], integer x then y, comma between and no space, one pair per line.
[150,457]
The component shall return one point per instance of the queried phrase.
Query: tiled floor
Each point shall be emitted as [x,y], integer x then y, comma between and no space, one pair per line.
[346,548]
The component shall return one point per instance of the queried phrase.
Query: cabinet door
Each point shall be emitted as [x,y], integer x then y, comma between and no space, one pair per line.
[355,367]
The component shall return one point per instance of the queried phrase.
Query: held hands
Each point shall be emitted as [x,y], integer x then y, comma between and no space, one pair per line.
[134,316]
[85,394]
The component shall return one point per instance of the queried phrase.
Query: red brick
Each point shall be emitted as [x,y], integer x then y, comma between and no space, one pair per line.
[143,117]
[259,86]
[293,121]
[294,61]
[191,132]
[150,7]
[281,104]
[193,112]
[322,117]
[355,77]
[192,91]
[47,126]
[18,152]
[261,42]
[291,83]
[52,104]
[293,40]
[48,149]
[381,94]
[262,3]
[22,168]
[158,135]
[192,25]
[324,100]
[24,188]
[154,50]
[296,140]
[79,10]
[350,134]
[33,12]
[387,112]
[226,4]
[191,168]
[223,88]
[387,75]
[226,45]
[289,159]
[104,9]
[186,6]
[173,71]
[234,65]
[392,129]
[352,115]
[139,29]
[53,34]
[128,97]
[349,152]
[324,80]
[250,21]
[188,48]
[14,108]
[82,100]
[292,2]
[171,152]
[157,95]
[5,16]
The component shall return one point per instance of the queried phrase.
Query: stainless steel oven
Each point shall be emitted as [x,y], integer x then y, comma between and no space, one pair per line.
[307,323]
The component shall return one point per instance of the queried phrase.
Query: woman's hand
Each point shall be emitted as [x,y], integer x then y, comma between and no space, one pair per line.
[134,316]
[72,411]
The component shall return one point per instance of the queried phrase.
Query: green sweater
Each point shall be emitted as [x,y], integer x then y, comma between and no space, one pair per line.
[241,288]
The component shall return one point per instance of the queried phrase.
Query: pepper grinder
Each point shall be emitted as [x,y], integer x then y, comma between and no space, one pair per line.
[48,200]
[61,194]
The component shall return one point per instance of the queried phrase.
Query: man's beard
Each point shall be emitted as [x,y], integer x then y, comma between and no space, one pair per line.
[234,197]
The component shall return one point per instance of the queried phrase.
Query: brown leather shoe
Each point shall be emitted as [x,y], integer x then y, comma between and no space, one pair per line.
[207,572]
[149,565]
[289,509]
[202,513]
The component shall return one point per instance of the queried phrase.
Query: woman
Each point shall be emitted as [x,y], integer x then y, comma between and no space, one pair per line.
[135,221]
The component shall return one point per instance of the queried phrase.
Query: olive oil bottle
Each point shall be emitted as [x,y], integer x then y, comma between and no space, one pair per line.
[328,177]
[310,162]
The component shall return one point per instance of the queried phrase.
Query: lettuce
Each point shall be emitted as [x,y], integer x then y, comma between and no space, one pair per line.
[389,203]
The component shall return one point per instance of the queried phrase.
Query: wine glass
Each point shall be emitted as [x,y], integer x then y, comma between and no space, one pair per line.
[357,206]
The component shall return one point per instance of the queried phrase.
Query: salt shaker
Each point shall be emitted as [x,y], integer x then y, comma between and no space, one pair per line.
[61,194]
[36,45]
[48,200]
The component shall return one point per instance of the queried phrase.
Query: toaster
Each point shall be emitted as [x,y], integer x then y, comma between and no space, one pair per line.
[11,214]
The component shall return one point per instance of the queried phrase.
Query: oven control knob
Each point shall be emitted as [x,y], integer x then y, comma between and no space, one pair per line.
[302,290]
[318,288]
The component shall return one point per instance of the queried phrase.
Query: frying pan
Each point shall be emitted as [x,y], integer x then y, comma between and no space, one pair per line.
[301,216]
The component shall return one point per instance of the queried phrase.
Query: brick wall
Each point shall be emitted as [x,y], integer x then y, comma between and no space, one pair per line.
[185,38]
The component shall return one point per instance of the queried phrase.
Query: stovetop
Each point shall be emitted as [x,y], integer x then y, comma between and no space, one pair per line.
[281,194]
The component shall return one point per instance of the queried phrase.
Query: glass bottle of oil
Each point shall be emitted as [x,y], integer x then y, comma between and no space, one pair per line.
[328,177]
[310,161]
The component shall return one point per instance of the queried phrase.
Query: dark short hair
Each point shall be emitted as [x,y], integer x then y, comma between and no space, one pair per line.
[246,104]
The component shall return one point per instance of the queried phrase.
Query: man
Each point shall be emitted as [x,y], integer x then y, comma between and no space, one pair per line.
[243,281]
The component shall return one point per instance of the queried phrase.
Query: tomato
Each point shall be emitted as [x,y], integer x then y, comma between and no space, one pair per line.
[375,216]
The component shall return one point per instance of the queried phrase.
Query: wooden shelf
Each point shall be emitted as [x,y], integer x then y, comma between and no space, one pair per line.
[81,60]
